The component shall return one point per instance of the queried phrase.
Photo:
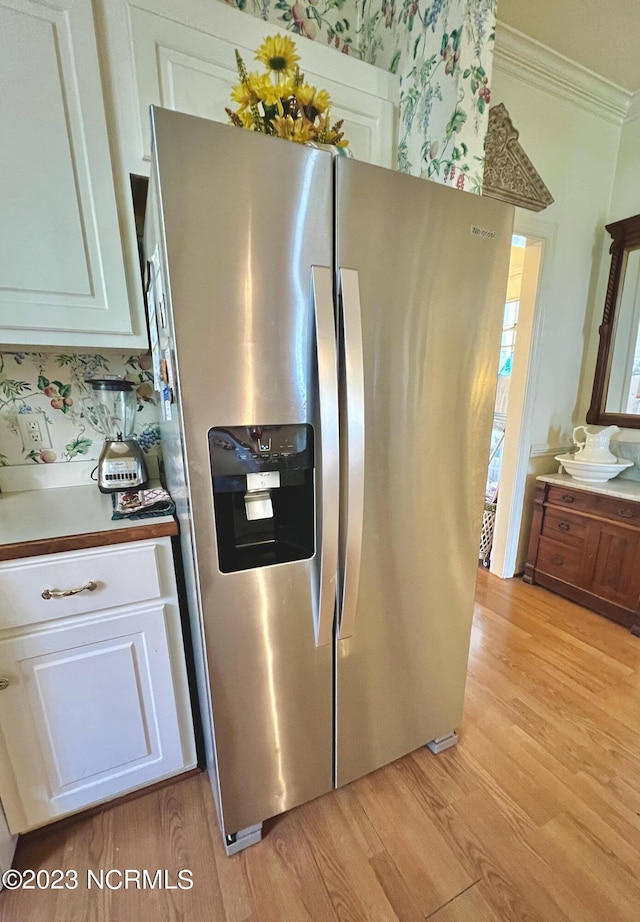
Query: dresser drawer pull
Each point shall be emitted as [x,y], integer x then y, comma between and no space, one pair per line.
[626,513]
[558,561]
[564,526]
[4,683]
[63,593]
[568,498]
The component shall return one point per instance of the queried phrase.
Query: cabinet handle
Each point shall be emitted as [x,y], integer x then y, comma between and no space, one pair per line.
[626,513]
[568,498]
[63,593]
[564,526]
[4,683]
[558,561]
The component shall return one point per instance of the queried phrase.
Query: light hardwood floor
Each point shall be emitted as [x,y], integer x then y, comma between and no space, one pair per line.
[533,817]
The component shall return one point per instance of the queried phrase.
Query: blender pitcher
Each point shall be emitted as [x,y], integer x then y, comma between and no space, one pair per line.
[121,465]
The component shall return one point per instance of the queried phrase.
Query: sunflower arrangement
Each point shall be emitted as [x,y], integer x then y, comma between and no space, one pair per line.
[280,102]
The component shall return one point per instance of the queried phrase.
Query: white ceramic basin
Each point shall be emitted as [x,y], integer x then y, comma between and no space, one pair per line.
[592,471]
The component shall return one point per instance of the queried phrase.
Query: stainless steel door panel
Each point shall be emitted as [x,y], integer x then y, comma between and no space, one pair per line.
[432,295]
[271,691]
[245,217]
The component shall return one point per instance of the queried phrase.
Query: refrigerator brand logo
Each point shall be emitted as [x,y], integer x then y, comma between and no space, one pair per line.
[483,232]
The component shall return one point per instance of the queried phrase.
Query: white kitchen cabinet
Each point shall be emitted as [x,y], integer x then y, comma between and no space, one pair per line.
[8,844]
[95,699]
[181,55]
[62,277]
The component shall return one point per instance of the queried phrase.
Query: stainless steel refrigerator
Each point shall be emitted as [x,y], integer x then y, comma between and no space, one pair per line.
[326,337]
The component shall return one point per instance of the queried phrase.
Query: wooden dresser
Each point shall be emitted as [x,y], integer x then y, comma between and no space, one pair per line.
[585,544]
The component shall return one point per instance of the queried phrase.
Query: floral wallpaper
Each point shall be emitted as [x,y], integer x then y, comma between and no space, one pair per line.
[442,51]
[445,92]
[51,389]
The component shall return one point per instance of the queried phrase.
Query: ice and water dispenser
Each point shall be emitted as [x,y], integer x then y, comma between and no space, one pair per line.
[263,494]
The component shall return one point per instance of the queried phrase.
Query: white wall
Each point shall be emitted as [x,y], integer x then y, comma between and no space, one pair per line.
[625,201]
[573,144]
[575,152]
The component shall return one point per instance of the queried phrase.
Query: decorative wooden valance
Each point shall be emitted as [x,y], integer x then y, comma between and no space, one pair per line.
[509,175]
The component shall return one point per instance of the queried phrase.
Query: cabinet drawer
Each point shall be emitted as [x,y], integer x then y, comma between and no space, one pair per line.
[123,574]
[564,527]
[571,499]
[620,510]
[559,560]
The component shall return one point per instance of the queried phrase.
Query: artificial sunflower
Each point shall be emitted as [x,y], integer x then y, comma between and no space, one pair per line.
[285,106]
[267,92]
[246,120]
[293,129]
[327,133]
[244,95]
[312,100]
[278,54]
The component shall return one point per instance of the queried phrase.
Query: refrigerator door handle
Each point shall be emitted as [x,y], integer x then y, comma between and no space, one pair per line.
[355,437]
[322,294]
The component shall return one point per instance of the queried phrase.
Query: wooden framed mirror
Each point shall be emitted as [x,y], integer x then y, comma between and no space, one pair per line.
[616,388]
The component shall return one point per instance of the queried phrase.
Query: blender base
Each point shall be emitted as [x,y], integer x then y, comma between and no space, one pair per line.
[121,466]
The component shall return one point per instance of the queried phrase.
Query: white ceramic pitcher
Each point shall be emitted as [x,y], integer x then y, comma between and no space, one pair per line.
[595,446]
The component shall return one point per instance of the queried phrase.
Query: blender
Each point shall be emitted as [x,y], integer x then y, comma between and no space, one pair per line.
[121,465]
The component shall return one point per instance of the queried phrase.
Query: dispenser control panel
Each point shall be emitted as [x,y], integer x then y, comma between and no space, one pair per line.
[237,450]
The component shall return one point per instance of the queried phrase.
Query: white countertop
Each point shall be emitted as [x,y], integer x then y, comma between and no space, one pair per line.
[69,512]
[620,489]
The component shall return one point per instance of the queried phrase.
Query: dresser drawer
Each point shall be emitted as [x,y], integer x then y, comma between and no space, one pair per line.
[559,560]
[564,527]
[570,499]
[619,510]
[122,574]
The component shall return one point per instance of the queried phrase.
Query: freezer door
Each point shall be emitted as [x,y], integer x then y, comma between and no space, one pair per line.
[425,267]
[245,218]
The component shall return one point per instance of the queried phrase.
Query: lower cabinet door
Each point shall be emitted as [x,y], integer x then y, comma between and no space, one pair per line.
[7,845]
[616,569]
[87,712]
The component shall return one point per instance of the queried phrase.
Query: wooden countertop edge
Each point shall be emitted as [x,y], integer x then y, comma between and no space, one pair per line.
[91,539]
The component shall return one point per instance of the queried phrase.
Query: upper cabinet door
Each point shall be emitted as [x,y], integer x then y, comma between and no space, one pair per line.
[182,56]
[62,278]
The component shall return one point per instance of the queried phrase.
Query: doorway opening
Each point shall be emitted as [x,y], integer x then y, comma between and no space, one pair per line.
[505,366]
[510,440]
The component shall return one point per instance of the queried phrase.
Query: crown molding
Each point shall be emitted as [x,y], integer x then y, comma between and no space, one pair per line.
[526,59]
[634,108]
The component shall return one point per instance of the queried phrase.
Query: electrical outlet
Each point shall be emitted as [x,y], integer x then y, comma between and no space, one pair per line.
[34,431]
